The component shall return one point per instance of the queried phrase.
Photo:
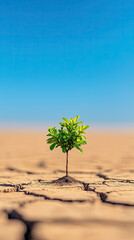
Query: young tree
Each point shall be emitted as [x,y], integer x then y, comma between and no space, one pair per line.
[69,135]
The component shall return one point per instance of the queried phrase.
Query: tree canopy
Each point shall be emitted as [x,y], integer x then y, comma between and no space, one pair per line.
[69,135]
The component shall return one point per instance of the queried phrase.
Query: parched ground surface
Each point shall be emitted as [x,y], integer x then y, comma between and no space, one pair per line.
[100,207]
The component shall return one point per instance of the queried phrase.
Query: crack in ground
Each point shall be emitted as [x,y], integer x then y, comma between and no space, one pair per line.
[100,175]
[31,224]
[58,199]
[103,196]
[114,179]
[103,176]
[14,215]
[12,188]
[28,224]
[22,171]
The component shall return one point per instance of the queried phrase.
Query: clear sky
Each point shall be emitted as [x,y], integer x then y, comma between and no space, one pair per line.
[67,57]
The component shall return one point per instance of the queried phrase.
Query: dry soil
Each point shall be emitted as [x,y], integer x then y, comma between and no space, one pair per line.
[35,207]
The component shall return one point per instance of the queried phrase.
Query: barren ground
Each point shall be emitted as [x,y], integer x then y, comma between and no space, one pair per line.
[101,207]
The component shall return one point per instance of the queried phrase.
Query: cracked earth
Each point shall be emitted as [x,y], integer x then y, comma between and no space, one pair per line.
[99,206]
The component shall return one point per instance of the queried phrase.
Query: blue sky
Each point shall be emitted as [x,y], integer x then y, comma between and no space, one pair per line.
[63,58]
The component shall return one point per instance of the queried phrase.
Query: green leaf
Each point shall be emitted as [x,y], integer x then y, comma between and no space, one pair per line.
[62,124]
[76,118]
[52,146]
[66,120]
[82,142]
[79,122]
[57,145]
[85,127]
[79,148]
[71,120]
[83,137]
[81,128]
[50,140]
[55,131]
[63,149]
[49,134]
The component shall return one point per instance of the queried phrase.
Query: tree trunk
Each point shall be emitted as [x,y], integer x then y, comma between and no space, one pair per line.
[67,163]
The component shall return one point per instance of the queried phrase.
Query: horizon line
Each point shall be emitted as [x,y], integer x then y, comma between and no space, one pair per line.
[39,126]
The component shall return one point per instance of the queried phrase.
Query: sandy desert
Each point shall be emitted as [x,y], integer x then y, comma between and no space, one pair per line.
[99,207]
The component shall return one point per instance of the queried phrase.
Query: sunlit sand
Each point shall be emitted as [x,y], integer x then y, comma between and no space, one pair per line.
[99,206]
